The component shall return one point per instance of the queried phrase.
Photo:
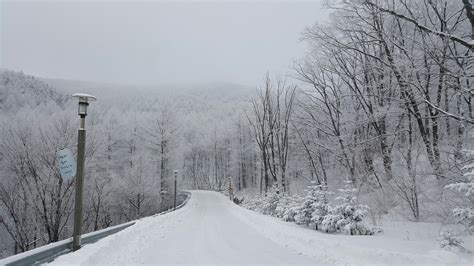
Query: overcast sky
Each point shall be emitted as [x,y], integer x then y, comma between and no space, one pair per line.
[154,42]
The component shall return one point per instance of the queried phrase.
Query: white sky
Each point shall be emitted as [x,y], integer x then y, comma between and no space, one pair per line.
[154,42]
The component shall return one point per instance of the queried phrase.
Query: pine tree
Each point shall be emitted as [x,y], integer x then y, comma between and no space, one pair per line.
[282,206]
[288,207]
[347,217]
[465,214]
[270,202]
[308,206]
[292,210]
[320,206]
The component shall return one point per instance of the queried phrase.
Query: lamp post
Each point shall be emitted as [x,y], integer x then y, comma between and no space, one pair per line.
[84,100]
[163,196]
[231,189]
[175,186]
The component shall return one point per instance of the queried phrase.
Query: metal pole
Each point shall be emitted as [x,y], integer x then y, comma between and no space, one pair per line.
[230,188]
[81,143]
[175,187]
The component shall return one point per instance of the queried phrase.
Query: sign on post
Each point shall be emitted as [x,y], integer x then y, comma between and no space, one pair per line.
[66,164]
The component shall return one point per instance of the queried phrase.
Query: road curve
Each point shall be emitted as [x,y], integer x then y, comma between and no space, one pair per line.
[205,231]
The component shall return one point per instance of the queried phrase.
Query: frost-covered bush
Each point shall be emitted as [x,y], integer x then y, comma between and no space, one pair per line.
[282,205]
[307,207]
[253,203]
[347,217]
[315,209]
[303,213]
[331,220]
[288,207]
[275,204]
[448,239]
[270,202]
[320,206]
[263,204]
[292,209]
[465,214]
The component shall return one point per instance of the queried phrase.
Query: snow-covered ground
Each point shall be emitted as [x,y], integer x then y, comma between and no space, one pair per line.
[412,247]
[207,231]
[212,230]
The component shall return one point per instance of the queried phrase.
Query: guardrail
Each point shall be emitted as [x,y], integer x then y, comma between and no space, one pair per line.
[187,196]
[51,251]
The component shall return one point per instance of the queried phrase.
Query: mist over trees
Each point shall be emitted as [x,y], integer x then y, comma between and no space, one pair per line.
[131,152]
[382,99]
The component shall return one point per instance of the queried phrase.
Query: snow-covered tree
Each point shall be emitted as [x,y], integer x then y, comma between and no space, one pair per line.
[282,206]
[347,216]
[270,202]
[314,205]
[320,206]
[252,203]
[273,110]
[465,214]
[288,207]
[447,240]
[159,137]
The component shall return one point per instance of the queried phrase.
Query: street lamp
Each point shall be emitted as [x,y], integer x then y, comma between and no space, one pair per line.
[175,185]
[231,189]
[84,100]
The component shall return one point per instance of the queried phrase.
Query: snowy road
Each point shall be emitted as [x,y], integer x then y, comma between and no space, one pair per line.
[206,231]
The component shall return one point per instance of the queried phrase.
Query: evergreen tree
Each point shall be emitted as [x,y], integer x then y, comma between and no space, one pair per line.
[288,207]
[320,206]
[307,208]
[283,205]
[465,214]
[347,217]
[270,202]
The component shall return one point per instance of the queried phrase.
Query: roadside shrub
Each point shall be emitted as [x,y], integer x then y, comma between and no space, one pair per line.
[448,239]
[270,202]
[347,217]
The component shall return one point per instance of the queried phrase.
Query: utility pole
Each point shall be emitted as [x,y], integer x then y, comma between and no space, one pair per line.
[81,144]
[175,186]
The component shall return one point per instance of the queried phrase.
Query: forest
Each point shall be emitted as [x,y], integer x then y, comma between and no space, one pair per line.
[382,100]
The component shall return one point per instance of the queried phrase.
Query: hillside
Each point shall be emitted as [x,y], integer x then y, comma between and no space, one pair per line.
[124,127]
[18,90]
[115,94]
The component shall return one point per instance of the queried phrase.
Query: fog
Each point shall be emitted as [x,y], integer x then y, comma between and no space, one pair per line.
[154,42]
[362,155]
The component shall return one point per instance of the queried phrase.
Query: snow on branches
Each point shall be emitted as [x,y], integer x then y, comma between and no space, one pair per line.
[464,215]
[347,217]
[315,206]
[316,209]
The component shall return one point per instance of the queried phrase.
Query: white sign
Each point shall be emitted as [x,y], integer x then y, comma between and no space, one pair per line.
[66,164]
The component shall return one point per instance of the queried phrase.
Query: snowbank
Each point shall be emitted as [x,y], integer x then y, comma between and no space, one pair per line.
[384,249]
[210,229]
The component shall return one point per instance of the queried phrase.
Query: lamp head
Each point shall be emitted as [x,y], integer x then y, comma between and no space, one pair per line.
[84,100]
